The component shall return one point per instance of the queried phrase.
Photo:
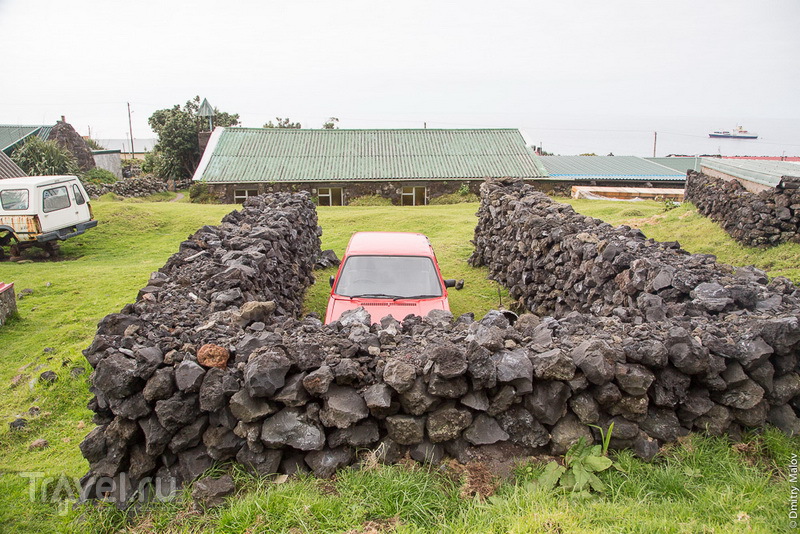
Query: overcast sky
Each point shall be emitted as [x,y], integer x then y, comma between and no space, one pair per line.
[386,63]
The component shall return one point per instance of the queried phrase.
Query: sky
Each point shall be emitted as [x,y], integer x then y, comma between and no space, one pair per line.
[573,71]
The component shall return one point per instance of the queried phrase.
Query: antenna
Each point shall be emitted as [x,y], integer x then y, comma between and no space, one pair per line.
[130,127]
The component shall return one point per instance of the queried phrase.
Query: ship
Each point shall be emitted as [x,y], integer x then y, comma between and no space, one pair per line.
[736,133]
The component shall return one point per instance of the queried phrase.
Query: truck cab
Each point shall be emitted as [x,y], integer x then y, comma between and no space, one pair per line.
[388,273]
[42,210]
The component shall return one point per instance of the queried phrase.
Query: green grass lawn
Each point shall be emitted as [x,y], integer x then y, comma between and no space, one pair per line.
[102,271]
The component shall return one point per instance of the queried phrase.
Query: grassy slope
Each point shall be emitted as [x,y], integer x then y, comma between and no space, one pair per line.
[108,265]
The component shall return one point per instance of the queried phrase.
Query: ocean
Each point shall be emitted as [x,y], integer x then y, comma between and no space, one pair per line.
[634,136]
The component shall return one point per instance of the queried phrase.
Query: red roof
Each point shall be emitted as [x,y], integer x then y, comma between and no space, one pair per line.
[4,286]
[389,243]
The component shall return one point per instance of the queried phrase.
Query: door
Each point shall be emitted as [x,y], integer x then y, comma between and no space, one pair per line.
[57,208]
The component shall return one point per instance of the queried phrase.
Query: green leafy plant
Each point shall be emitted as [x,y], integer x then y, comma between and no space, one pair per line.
[200,194]
[579,472]
[370,200]
[44,158]
[670,204]
[99,176]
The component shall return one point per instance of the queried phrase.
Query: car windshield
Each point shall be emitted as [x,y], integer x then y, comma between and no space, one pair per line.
[389,277]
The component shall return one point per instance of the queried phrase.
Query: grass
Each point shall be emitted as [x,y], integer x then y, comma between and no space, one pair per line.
[102,271]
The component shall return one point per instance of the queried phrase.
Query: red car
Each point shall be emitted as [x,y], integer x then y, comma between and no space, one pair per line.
[388,273]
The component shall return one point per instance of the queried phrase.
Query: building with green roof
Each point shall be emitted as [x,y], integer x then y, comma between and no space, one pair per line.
[409,166]
[13,135]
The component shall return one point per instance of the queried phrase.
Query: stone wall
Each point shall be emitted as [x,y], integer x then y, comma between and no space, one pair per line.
[759,219]
[129,187]
[210,363]
[8,303]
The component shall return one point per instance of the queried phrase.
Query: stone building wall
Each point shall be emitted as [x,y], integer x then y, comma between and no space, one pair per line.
[766,218]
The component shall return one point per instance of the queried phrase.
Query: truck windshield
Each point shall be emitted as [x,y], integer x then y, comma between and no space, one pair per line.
[389,277]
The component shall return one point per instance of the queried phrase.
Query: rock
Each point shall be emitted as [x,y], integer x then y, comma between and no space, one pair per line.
[265,373]
[484,430]
[189,376]
[662,424]
[161,385]
[481,366]
[253,311]
[784,418]
[221,443]
[477,400]
[264,463]
[447,423]
[427,452]
[633,379]
[156,437]
[211,492]
[48,376]
[548,402]
[317,382]
[585,407]
[324,463]
[450,389]
[343,406]
[187,437]
[38,444]
[290,427]
[147,360]
[595,359]
[361,435]
[354,317]
[179,410]
[18,424]
[211,355]
[417,400]
[405,429]
[553,365]
[522,428]
[742,396]
[378,397]
[513,365]
[212,391]
[249,409]
[645,447]
[566,433]
[785,388]
[293,393]
[449,361]
[399,374]
[116,376]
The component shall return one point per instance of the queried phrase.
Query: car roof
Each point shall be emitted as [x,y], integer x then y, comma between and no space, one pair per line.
[390,243]
[27,181]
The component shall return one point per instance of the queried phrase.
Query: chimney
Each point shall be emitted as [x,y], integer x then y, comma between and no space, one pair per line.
[63,119]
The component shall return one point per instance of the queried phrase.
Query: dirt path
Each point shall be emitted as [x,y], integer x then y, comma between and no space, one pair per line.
[178,196]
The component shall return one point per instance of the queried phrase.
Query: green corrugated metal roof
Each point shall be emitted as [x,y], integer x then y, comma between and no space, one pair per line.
[12,134]
[240,155]
[679,163]
[764,172]
[617,168]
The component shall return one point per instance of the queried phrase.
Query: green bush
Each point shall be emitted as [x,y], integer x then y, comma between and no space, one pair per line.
[44,158]
[370,200]
[98,176]
[199,194]
[454,198]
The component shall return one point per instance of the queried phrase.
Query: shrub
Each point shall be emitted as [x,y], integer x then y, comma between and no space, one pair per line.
[370,200]
[44,158]
[454,198]
[632,213]
[98,176]
[199,194]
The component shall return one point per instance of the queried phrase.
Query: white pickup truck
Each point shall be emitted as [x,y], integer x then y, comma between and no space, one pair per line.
[42,210]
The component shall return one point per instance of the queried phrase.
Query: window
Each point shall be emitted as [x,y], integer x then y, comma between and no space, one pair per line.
[55,199]
[240,195]
[14,199]
[414,196]
[330,196]
[79,200]
[389,277]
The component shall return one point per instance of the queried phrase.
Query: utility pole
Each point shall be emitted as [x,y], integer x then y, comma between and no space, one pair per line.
[655,138]
[130,127]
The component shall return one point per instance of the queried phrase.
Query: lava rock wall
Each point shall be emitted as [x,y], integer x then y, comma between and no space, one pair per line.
[129,187]
[211,364]
[764,219]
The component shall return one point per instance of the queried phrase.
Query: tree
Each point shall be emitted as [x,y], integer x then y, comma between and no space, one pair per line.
[283,123]
[44,158]
[330,124]
[177,153]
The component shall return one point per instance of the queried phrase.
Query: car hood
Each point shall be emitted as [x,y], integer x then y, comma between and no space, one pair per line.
[380,308]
